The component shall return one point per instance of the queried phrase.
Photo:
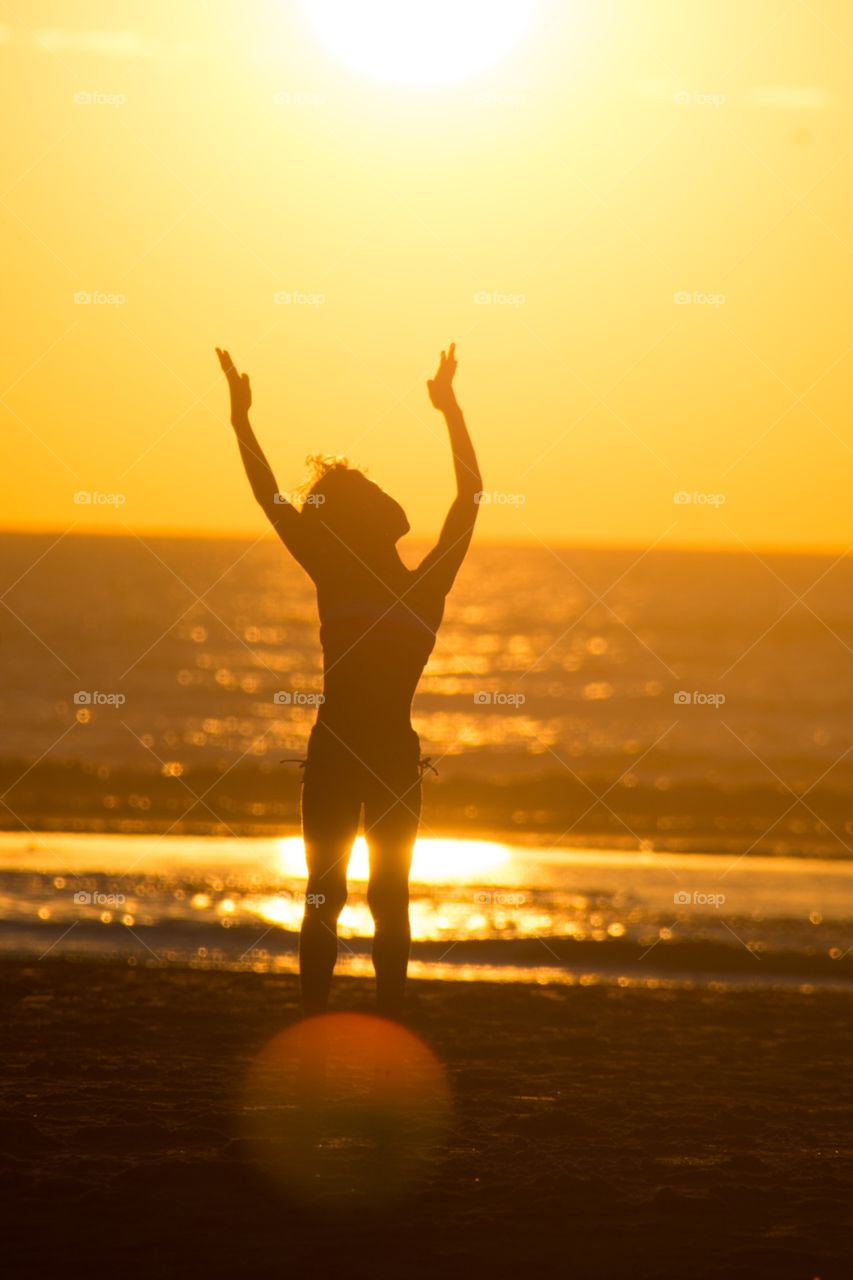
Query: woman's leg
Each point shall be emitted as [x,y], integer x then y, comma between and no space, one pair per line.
[330,811]
[391,816]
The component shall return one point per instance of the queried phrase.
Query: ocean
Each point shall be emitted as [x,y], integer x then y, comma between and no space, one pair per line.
[606,729]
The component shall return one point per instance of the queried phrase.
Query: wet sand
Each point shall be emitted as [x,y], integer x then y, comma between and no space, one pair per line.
[596,1132]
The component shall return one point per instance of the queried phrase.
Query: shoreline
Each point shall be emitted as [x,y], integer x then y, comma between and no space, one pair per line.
[685,966]
[595,841]
[510,912]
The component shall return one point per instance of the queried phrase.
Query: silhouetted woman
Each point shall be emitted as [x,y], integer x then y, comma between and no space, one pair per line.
[378,621]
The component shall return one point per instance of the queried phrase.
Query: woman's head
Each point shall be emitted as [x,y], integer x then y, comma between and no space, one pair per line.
[355,509]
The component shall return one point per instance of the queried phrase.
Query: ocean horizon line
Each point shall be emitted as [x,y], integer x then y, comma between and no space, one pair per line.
[537,542]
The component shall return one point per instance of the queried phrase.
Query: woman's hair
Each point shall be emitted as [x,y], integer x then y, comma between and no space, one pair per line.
[341,497]
[319,465]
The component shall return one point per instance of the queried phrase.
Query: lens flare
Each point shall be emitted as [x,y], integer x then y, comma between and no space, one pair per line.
[346,1108]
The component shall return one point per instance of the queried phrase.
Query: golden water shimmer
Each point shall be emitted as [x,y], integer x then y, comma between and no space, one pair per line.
[476,906]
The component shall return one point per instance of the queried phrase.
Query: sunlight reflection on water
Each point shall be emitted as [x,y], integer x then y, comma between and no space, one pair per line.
[185,896]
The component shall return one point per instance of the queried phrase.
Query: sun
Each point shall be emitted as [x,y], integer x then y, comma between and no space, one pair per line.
[420,41]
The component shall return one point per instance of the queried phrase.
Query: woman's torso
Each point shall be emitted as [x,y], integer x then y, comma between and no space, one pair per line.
[376,639]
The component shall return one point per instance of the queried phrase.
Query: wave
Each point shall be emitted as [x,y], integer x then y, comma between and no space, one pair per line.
[622,963]
[263,799]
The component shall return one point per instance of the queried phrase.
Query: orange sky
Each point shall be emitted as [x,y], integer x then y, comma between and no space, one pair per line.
[185,164]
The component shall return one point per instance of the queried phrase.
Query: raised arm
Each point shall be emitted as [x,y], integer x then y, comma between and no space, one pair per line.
[443,562]
[282,515]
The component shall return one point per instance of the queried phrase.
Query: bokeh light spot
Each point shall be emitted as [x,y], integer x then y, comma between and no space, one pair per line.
[346,1108]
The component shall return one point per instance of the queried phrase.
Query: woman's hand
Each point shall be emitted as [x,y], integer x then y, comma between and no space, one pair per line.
[440,387]
[238,385]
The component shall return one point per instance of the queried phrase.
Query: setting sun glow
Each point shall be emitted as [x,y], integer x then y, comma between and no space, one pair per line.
[435,861]
[611,208]
[424,41]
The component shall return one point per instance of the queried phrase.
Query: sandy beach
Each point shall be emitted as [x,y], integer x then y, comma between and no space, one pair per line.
[595,1131]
